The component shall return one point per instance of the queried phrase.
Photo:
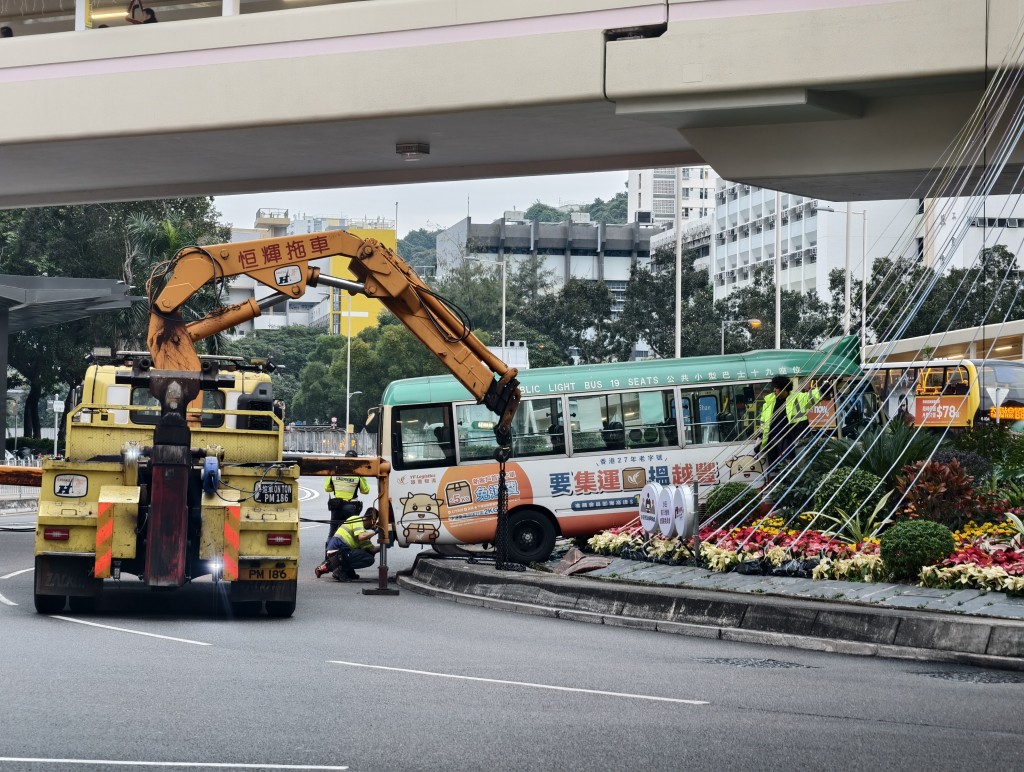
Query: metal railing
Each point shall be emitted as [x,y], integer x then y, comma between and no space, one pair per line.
[325,440]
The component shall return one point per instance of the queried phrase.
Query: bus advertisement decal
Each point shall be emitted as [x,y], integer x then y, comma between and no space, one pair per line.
[940,411]
[619,502]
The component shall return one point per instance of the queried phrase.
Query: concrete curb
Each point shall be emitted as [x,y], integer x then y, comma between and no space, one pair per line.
[774,621]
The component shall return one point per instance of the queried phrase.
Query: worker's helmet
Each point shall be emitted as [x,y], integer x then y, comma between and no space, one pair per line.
[351,454]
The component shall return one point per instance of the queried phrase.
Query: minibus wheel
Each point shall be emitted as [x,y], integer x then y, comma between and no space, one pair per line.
[531,536]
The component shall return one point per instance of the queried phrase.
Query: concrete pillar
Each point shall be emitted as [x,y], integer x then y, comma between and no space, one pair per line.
[230,7]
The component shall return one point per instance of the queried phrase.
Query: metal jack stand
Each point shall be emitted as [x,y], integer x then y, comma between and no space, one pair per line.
[502,562]
[382,576]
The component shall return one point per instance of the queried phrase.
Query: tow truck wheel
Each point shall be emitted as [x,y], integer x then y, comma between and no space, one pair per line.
[280,608]
[50,604]
[245,608]
[82,604]
[283,608]
[531,536]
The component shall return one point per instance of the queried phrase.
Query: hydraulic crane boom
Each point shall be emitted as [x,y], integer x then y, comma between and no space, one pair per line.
[283,265]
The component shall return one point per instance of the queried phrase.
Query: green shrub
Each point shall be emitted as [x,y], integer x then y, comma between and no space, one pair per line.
[881,451]
[849,490]
[724,502]
[992,441]
[976,465]
[36,446]
[908,547]
[944,493]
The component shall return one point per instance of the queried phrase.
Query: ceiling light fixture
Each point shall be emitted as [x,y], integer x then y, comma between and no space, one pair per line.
[412,151]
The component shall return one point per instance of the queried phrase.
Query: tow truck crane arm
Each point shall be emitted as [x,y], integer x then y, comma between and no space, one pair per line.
[283,265]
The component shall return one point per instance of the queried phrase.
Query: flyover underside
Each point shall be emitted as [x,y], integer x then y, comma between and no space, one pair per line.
[476,144]
[837,99]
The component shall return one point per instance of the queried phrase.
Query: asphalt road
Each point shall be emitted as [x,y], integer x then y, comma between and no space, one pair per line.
[165,681]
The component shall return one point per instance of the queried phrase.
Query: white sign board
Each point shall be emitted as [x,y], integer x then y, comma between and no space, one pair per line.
[649,507]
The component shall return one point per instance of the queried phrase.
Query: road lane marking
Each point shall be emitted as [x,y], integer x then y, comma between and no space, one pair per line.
[133,632]
[525,683]
[15,573]
[303,491]
[180,764]
[7,602]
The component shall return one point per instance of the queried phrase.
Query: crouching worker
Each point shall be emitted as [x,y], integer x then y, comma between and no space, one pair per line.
[350,548]
[342,490]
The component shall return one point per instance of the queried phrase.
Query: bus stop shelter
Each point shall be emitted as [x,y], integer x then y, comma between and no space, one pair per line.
[28,302]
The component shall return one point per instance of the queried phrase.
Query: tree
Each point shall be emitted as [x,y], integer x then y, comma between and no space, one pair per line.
[806,318]
[289,348]
[649,310]
[545,213]
[614,210]
[581,321]
[92,241]
[419,249]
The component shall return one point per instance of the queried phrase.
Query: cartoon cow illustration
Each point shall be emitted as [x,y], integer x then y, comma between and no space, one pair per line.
[421,518]
[745,468]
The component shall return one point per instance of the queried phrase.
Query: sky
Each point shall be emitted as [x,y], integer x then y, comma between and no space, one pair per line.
[428,205]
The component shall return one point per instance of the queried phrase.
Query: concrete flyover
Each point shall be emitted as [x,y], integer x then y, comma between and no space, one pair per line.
[842,99]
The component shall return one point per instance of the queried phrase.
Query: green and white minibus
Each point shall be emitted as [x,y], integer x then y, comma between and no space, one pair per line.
[586,440]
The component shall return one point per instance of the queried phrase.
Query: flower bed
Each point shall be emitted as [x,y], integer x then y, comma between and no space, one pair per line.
[989,556]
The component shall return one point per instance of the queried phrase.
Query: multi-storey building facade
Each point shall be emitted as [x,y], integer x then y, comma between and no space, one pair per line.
[652,194]
[579,248]
[812,237]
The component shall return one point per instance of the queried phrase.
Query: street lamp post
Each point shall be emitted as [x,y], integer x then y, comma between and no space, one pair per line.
[348,401]
[751,323]
[847,300]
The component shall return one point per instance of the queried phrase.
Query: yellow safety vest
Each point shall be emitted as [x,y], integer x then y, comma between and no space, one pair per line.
[345,486]
[348,530]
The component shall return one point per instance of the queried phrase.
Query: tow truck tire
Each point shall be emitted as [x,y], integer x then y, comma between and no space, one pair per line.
[49,604]
[283,608]
[245,608]
[280,608]
[82,604]
[531,536]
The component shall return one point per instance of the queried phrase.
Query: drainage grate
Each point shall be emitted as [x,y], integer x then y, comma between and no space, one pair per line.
[751,662]
[978,676]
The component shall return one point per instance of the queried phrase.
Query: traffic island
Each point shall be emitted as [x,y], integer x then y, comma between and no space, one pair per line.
[778,620]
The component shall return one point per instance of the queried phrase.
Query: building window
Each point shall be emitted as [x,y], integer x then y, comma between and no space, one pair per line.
[664,187]
[705,193]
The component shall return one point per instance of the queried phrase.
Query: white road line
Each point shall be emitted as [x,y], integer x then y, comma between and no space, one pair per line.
[7,602]
[133,632]
[22,571]
[180,764]
[303,491]
[524,683]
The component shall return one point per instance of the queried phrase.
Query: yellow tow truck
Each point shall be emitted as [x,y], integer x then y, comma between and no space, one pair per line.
[174,466]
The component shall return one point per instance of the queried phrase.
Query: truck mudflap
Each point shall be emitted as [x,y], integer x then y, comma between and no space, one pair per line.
[266,589]
[70,575]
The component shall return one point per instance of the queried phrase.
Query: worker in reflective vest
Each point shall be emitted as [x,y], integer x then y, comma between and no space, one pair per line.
[343,504]
[784,417]
[349,548]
